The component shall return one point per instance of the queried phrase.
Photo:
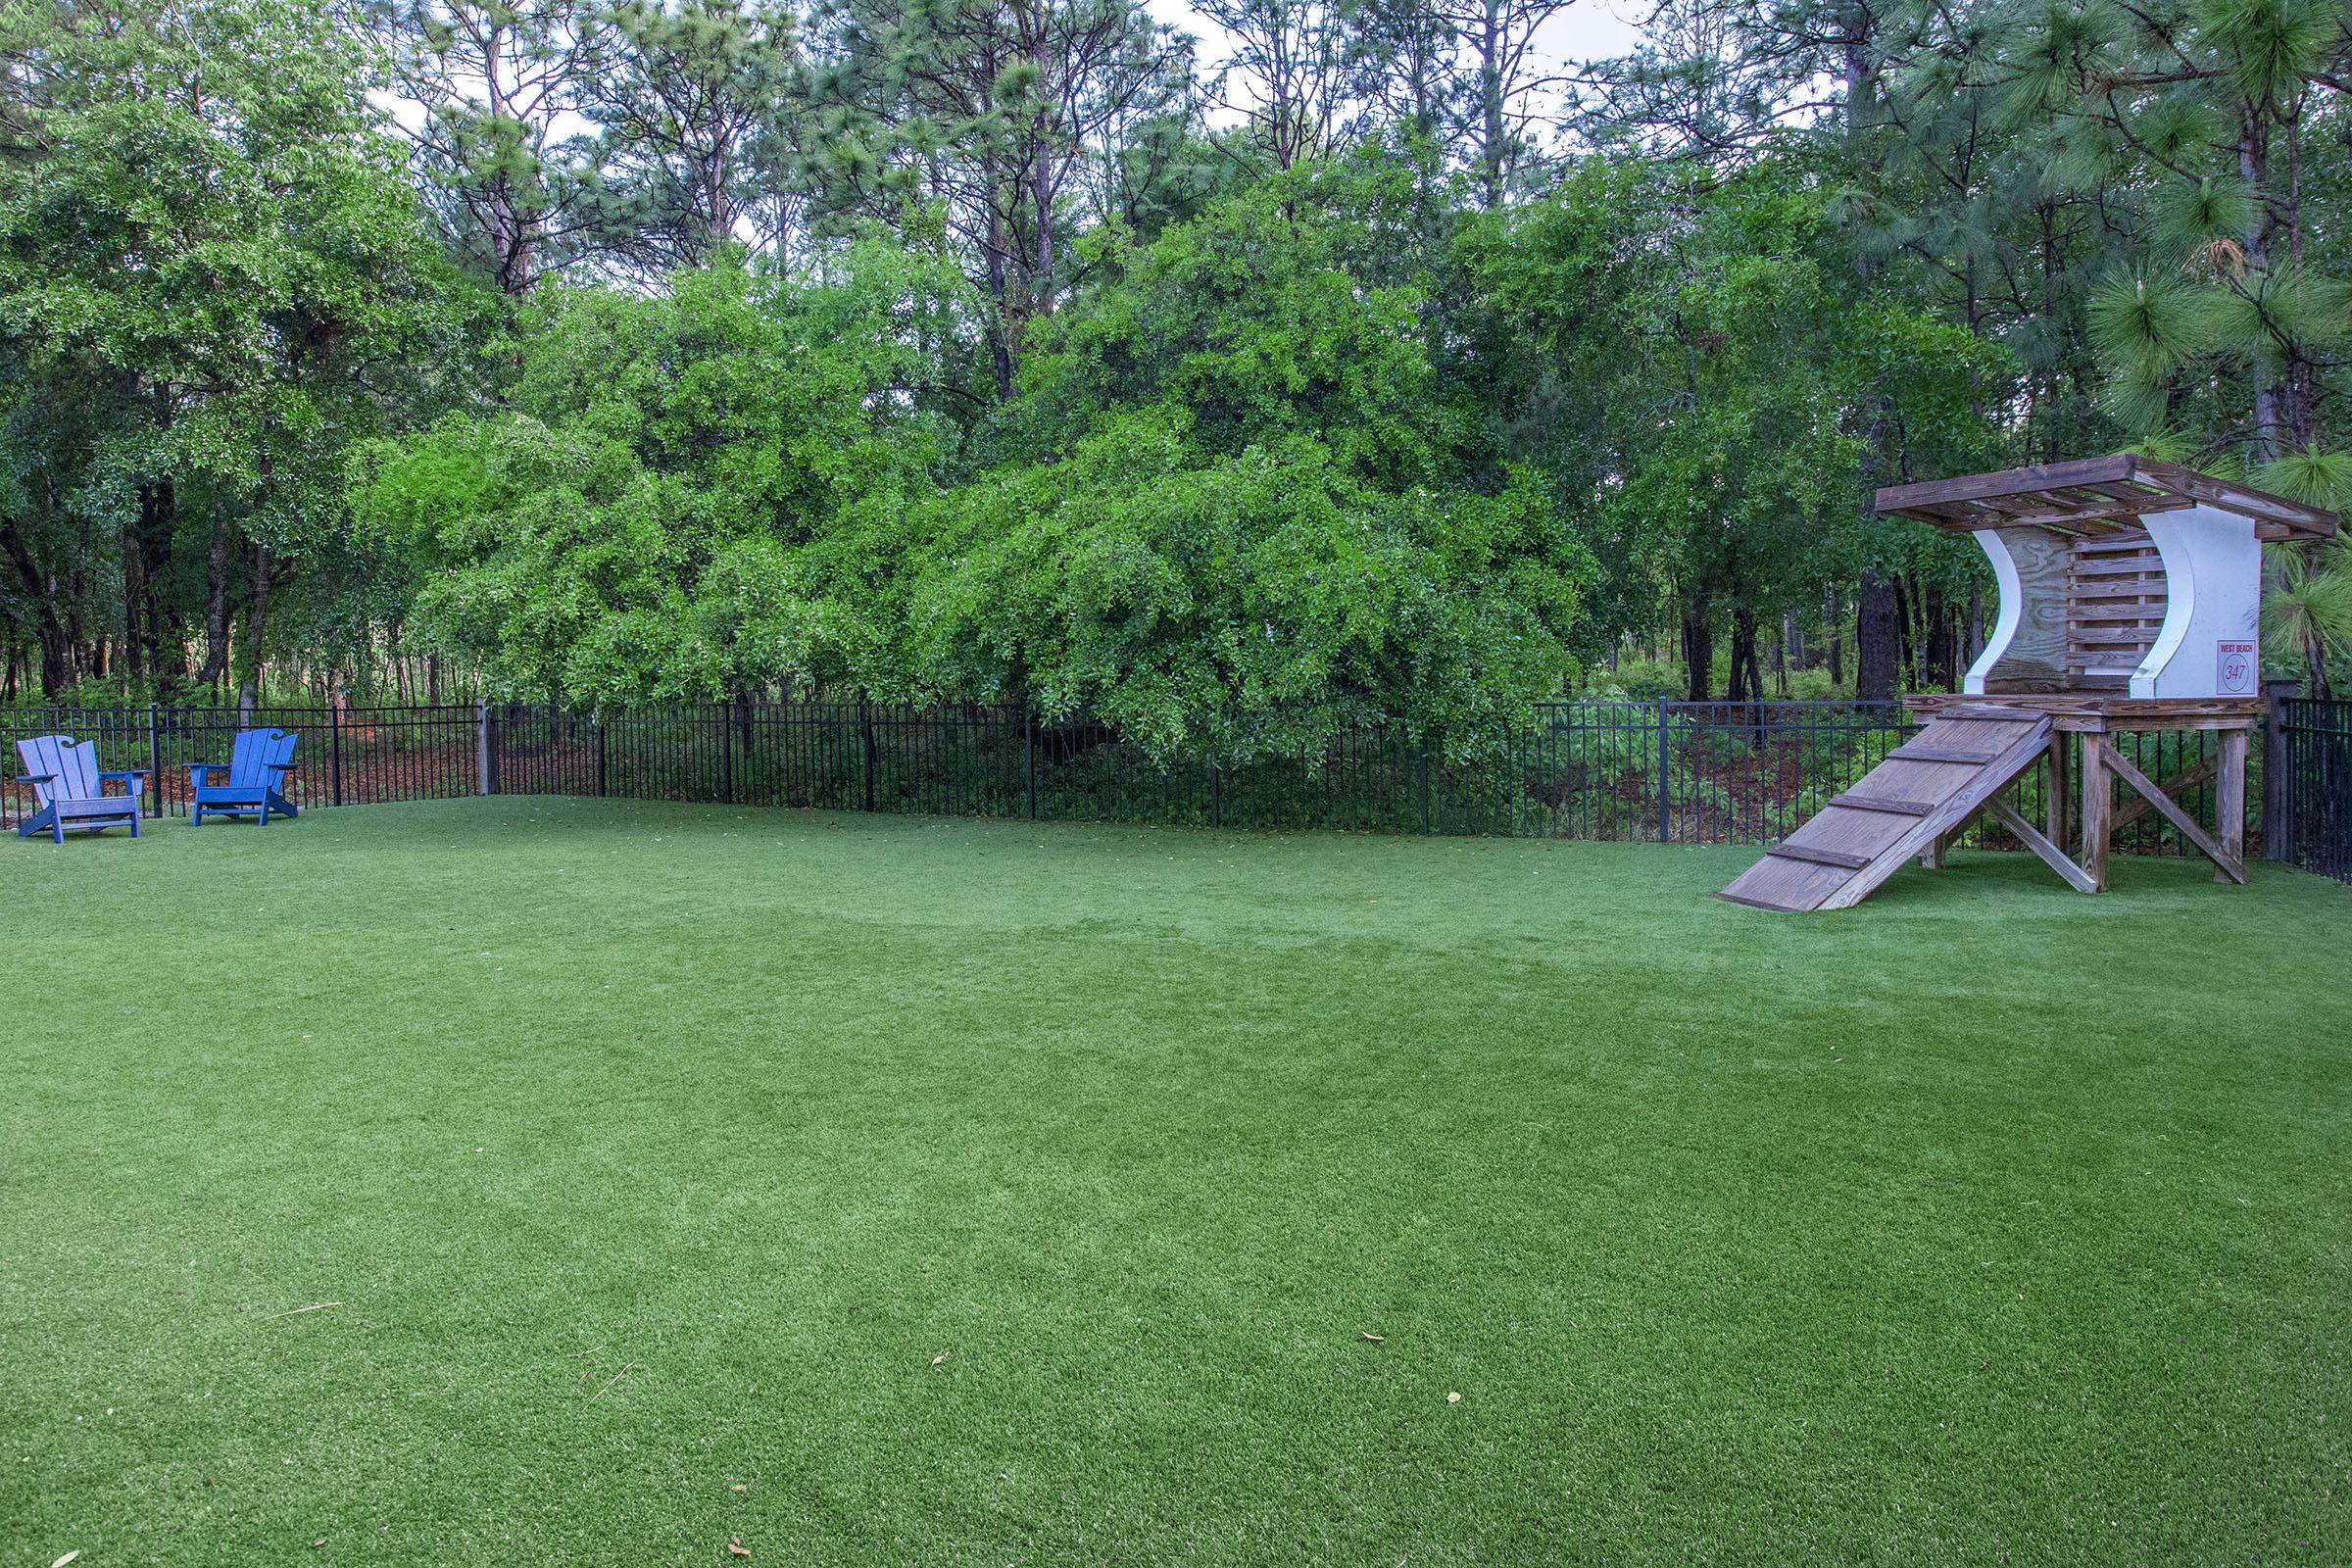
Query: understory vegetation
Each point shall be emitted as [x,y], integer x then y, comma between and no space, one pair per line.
[1018,354]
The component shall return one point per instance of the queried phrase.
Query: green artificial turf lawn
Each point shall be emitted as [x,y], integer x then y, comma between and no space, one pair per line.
[649,1155]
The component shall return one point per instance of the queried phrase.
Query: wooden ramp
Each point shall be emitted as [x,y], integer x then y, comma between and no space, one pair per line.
[1932,785]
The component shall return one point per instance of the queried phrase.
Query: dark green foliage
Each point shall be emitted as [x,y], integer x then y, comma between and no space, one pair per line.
[940,350]
[687,496]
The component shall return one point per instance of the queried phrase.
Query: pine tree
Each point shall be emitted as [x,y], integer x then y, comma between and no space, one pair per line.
[495,84]
[991,112]
[702,106]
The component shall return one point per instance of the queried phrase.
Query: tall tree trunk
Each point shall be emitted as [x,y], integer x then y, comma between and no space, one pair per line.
[2271,418]
[1489,101]
[216,610]
[57,655]
[143,616]
[1747,684]
[1875,651]
[1936,644]
[1906,642]
[1874,637]
[1698,647]
[257,617]
[1833,625]
[134,579]
[1005,329]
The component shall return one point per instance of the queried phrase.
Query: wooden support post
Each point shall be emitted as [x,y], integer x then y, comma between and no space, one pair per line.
[2057,804]
[484,782]
[2229,804]
[865,735]
[154,756]
[1662,824]
[2097,803]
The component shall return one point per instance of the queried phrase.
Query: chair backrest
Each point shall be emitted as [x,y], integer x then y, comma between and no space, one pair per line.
[73,769]
[259,756]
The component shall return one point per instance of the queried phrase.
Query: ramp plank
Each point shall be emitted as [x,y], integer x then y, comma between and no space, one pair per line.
[1863,837]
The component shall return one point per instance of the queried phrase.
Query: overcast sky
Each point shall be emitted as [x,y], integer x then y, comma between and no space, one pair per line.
[1588,30]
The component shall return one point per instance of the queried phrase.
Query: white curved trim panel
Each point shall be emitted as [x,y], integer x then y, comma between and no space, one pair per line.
[2004,626]
[2213,588]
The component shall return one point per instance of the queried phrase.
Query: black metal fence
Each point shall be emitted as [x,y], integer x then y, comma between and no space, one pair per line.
[1677,772]
[2312,795]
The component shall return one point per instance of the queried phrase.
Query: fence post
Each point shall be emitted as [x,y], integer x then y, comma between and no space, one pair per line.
[1216,796]
[485,779]
[866,736]
[597,721]
[1662,826]
[1029,746]
[1421,773]
[726,753]
[2278,774]
[154,756]
[335,749]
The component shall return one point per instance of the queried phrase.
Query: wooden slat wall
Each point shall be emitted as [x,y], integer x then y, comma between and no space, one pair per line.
[2114,607]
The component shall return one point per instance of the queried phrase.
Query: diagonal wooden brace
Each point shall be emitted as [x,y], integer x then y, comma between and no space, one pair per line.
[2033,838]
[2189,779]
[2231,865]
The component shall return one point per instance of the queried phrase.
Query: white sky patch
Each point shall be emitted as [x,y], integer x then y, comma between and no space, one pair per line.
[1588,30]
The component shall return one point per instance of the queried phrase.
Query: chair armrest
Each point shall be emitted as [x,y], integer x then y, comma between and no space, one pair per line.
[197,770]
[133,781]
[36,778]
[286,768]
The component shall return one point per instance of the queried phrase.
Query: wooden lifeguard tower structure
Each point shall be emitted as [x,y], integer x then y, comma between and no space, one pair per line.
[2129,594]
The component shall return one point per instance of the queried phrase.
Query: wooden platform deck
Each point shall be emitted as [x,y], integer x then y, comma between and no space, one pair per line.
[2097,712]
[1933,785]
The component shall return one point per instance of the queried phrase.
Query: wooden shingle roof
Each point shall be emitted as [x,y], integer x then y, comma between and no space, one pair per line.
[2094,495]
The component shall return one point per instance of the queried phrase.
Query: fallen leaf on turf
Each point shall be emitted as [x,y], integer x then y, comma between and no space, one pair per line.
[1453,1398]
[66,1558]
[1377,1339]
[320,1541]
[735,1549]
[941,1360]
[739,1486]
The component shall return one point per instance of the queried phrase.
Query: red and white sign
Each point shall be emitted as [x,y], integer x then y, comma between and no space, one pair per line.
[2237,672]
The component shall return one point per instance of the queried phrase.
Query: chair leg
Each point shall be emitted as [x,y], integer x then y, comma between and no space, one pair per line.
[57,829]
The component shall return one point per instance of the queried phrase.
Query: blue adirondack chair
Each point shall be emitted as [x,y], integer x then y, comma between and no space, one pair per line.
[258,765]
[70,791]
